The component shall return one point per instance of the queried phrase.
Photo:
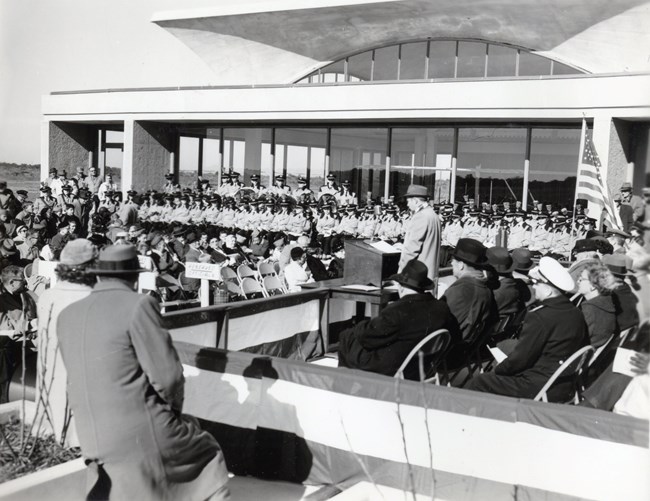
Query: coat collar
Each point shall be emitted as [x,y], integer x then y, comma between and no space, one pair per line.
[111,285]
[561,302]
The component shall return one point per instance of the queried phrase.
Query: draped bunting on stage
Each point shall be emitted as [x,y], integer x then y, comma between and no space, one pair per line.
[305,423]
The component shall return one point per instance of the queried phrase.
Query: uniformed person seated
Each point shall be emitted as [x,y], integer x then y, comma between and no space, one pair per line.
[551,333]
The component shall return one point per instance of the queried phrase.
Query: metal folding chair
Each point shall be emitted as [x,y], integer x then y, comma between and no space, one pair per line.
[430,352]
[572,366]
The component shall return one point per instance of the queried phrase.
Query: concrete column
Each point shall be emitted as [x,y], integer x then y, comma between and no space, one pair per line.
[619,160]
[127,161]
[69,146]
[253,154]
[148,150]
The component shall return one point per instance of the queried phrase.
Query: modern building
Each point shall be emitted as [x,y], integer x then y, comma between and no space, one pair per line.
[476,99]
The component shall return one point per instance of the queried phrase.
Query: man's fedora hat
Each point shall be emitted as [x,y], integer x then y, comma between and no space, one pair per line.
[626,187]
[618,264]
[414,276]
[416,190]
[500,259]
[470,251]
[523,259]
[117,260]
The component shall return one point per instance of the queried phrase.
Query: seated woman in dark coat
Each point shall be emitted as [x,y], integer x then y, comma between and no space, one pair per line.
[382,343]
[596,284]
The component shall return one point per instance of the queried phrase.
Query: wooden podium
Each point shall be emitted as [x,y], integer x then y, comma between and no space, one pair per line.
[365,265]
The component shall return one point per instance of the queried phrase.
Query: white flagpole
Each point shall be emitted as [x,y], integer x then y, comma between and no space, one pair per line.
[583,138]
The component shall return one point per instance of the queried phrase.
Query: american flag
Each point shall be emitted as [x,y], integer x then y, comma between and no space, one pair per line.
[591,187]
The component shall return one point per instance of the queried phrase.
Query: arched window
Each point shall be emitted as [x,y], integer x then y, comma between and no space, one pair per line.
[438,59]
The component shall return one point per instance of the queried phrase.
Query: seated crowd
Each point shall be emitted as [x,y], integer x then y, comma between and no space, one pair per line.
[537,311]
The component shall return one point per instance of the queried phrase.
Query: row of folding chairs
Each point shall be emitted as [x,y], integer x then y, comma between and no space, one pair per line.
[246,283]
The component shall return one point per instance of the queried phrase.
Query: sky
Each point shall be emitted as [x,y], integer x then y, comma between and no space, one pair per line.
[48,46]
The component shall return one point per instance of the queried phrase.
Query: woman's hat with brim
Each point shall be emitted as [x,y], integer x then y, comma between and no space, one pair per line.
[470,251]
[117,260]
[414,276]
[416,190]
[500,259]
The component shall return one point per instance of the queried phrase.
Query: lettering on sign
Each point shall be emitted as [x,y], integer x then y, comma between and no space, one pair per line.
[206,271]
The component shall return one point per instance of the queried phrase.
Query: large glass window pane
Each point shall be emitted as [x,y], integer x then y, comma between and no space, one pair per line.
[471,60]
[417,153]
[359,66]
[563,69]
[302,150]
[188,160]
[244,151]
[532,64]
[386,63]
[442,59]
[114,136]
[412,61]
[333,72]
[553,166]
[490,165]
[211,159]
[501,61]
[359,155]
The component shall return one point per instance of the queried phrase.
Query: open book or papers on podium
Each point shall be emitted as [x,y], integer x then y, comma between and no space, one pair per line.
[360,287]
[382,246]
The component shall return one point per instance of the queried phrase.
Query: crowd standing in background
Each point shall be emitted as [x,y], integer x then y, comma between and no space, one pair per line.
[505,261]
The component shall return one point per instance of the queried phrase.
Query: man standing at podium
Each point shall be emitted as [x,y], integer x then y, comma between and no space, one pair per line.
[422,238]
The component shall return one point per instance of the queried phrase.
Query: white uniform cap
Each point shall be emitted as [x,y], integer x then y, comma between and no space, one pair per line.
[553,273]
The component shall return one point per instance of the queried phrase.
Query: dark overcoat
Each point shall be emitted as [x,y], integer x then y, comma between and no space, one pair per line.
[125,384]
[551,333]
[382,343]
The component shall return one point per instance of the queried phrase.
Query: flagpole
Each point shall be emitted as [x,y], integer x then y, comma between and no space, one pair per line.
[583,138]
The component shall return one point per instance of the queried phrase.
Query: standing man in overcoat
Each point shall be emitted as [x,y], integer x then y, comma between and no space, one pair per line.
[422,238]
[126,388]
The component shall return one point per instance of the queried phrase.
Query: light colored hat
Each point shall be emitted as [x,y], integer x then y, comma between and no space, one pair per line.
[78,251]
[416,190]
[626,187]
[553,273]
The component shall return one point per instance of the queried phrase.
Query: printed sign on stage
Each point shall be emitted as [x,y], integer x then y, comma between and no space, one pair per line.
[206,271]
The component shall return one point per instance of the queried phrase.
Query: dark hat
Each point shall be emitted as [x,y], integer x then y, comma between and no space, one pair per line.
[21,192]
[83,194]
[45,189]
[414,276]
[279,178]
[117,260]
[331,176]
[416,190]
[66,187]
[169,176]
[337,246]
[523,259]
[302,179]
[500,259]
[255,177]
[179,231]
[585,245]
[470,251]
[7,248]
[346,183]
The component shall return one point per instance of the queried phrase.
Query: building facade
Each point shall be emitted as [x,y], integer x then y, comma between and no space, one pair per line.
[482,100]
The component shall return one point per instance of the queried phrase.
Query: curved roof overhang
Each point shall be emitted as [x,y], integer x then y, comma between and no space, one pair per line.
[280,41]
